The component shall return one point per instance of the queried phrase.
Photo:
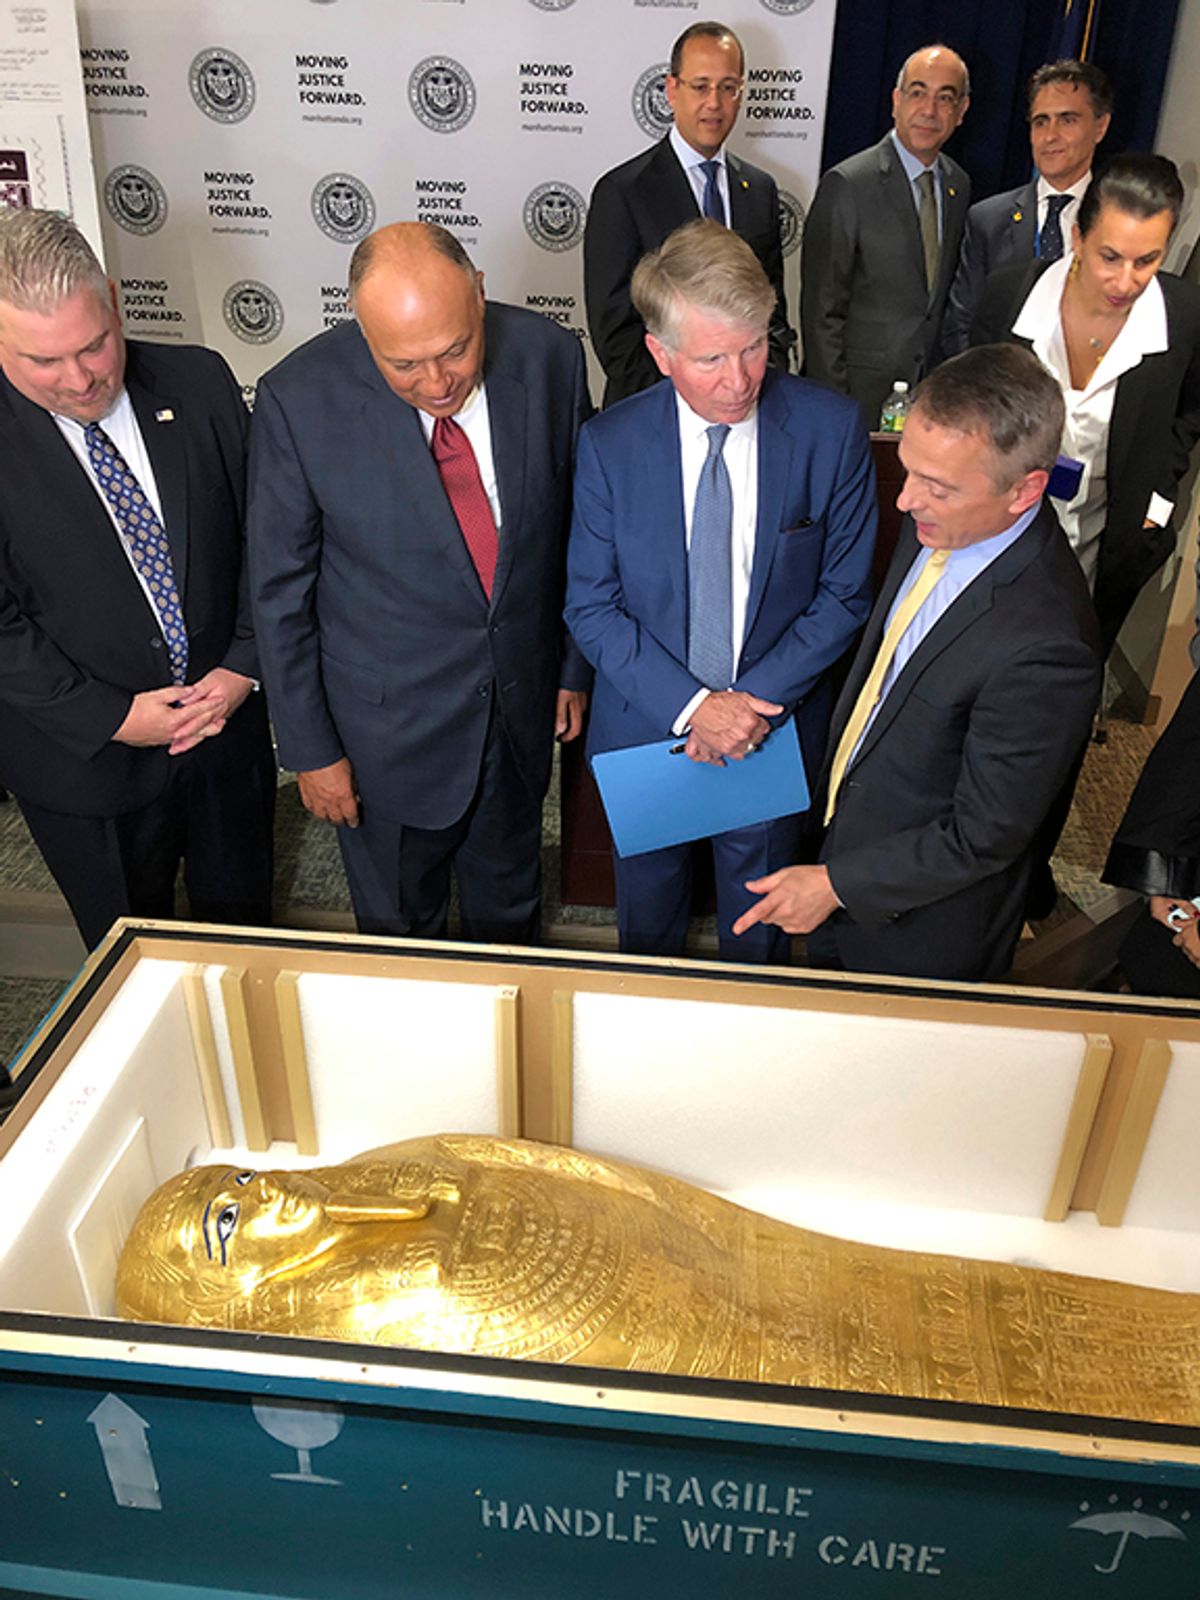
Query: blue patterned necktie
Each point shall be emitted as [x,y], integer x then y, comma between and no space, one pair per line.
[1050,244]
[714,206]
[144,539]
[710,570]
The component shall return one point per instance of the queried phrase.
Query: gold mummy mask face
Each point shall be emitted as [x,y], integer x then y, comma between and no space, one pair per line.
[500,1247]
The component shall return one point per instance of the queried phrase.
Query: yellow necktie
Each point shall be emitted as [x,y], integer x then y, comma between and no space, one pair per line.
[868,695]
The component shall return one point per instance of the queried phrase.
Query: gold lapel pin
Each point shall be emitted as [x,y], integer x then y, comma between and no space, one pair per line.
[1017,215]
[165,415]
[745,183]
[952,192]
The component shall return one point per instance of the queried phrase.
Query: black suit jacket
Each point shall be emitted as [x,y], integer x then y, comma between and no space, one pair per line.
[77,636]
[377,640]
[1154,427]
[929,848]
[632,210]
[999,230]
[866,313]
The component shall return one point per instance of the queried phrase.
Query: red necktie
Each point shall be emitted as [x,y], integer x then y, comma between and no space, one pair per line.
[468,498]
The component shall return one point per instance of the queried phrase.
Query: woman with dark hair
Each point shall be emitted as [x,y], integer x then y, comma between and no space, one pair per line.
[1123,341]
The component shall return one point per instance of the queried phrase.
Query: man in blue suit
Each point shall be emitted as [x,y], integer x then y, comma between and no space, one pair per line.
[1070,104]
[718,563]
[410,494]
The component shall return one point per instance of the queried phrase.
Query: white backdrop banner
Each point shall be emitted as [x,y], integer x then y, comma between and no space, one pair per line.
[45,158]
[242,151]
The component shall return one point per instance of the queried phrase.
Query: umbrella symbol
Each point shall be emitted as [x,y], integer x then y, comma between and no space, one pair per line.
[1126,1523]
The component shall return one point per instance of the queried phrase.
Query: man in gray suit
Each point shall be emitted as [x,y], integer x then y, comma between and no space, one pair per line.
[882,239]
[1070,103]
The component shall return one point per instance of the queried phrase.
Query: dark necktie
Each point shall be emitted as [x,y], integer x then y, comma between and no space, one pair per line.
[710,570]
[468,498]
[1050,243]
[927,217]
[714,206]
[144,539]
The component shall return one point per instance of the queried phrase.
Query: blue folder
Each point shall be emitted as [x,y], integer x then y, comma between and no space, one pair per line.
[655,796]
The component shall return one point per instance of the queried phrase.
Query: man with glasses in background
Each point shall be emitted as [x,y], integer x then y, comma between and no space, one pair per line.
[688,174]
[882,239]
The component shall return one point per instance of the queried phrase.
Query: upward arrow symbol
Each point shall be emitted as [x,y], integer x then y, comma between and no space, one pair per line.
[121,1435]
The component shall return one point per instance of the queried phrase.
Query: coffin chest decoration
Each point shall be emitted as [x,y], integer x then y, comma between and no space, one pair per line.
[650,1203]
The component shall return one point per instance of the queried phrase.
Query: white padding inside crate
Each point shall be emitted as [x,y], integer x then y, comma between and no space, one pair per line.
[880,1110]
[220,1027]
[138,1062]
[1166,1192]
[393,1058]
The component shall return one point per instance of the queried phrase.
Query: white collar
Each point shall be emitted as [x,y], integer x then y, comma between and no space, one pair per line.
[1144,332]
[1077,190]
[689,157]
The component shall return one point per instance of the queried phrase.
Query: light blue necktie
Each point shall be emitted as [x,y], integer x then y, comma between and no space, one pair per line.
[145,540]
[710,570]
[714,206]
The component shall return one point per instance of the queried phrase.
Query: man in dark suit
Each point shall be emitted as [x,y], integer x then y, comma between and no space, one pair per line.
[881,242]
[129,731]
[688,174]
[719,562]
[967,703]
[1070,104]
[409,504]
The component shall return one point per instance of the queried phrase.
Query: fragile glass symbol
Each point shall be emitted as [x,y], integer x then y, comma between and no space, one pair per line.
[302,1427]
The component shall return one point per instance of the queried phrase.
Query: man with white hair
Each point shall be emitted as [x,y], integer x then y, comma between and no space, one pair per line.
[718,564]
[130,732]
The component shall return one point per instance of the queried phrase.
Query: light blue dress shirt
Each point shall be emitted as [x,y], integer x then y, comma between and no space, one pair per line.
[912,171]
[962,568]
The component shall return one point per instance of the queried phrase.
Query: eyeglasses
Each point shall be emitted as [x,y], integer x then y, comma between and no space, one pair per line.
[727,89]
[916,92]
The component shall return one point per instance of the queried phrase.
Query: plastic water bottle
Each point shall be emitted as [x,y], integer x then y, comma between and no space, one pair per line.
[895,409]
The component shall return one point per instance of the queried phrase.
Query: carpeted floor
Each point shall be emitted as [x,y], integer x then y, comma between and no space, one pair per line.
[310,887]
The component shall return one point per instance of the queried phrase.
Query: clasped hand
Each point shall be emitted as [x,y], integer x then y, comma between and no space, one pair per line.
[728,725]
[183,714]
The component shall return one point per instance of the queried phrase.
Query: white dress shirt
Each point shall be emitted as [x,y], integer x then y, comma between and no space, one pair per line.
[692,161]
[121,426]
[741,462]
[474,420]
[1089,410]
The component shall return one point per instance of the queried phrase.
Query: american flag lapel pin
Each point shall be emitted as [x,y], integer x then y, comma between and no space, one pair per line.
[165,415]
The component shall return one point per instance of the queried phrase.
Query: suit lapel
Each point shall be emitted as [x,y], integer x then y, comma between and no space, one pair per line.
[88,537]
[507,418]
[1132,401]
[743,196]
[954,215]
[1022,223]
[162,423]
[409,474]
[662,477]
[962,613]
[674,197]
[897,193]
[774,475]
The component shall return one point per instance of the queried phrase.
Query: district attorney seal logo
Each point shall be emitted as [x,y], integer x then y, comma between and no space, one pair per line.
[252,311]
[552,5]
[222,85]
[554,215]
[135,199]
[441,93]
[787,8]
[650,108]
[343,208]
[791,222]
